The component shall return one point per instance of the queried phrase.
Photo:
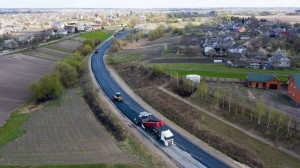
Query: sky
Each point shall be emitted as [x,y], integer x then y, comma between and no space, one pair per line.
[145,3]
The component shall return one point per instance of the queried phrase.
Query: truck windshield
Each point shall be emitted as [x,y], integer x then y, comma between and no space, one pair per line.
[169,138]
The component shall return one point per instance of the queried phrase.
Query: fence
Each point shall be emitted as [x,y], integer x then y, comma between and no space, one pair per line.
[228,80]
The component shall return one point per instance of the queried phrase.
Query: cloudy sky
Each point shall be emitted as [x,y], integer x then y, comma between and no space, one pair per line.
[145,3]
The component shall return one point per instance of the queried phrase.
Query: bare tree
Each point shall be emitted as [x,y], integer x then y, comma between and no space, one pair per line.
[281,117]
[271,113]
[217,94]
[260,110]
[244,103]
[251,113]
[289,125]
[202,89]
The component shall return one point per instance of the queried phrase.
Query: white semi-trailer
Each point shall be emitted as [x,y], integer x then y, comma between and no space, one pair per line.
[155,128]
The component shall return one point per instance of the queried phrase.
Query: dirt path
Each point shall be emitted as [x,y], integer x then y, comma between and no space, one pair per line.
[231,124]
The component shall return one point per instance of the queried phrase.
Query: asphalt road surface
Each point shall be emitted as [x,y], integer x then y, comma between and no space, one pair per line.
[183,148]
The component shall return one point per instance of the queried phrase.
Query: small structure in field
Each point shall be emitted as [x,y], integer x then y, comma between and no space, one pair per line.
[294,87]
[193,78]
[268,81]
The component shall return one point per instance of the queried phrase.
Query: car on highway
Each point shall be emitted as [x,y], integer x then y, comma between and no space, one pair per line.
[117,96]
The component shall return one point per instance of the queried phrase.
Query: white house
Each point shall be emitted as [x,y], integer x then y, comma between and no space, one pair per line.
[236,48]
[88,28]
[62,32]
[279,60]
[58,25]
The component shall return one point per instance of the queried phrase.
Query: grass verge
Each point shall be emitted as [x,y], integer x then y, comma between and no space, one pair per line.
[123,58]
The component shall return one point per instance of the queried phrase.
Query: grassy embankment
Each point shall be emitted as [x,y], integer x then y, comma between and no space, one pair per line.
[218,70]
[124,58]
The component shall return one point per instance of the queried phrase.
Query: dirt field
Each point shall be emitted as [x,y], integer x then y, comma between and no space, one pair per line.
[45,56]
[17,71]
[68,134]
[152,51]
[68,45]
[53,52]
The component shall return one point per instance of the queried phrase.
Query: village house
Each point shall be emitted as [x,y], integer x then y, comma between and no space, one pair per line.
[268,81]
[62,32]
[245,37]
[236,48]
[70,29]
[279,60]
[11,44]
[294,87]
[58,26]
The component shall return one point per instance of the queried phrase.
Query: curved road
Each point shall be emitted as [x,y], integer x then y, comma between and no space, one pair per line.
[183,150]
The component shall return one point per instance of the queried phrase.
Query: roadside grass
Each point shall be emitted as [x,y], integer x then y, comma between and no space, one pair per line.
[126,58]
[101,35]
[78,166]
[283,74]
[11,129]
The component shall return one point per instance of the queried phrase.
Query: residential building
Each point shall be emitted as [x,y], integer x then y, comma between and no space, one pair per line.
[279,60]
[294,87]
[268,81]
[236,48]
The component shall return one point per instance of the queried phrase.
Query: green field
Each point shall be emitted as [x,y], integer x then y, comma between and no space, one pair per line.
[11,130]
[101,35]
[219,70]
[183,72]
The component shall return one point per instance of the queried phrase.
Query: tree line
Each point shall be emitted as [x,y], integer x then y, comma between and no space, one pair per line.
[65,74]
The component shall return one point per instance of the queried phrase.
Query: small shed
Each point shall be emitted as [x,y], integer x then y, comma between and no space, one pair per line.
[268,81]
[193,78]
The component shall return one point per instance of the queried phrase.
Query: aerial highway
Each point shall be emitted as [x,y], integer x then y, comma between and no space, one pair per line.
[184,152]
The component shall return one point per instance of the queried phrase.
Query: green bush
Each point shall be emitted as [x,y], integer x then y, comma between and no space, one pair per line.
[75,62]
[68,74]
[86,49]
[47,88]
[116,45]
[179,31]
[156,33]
